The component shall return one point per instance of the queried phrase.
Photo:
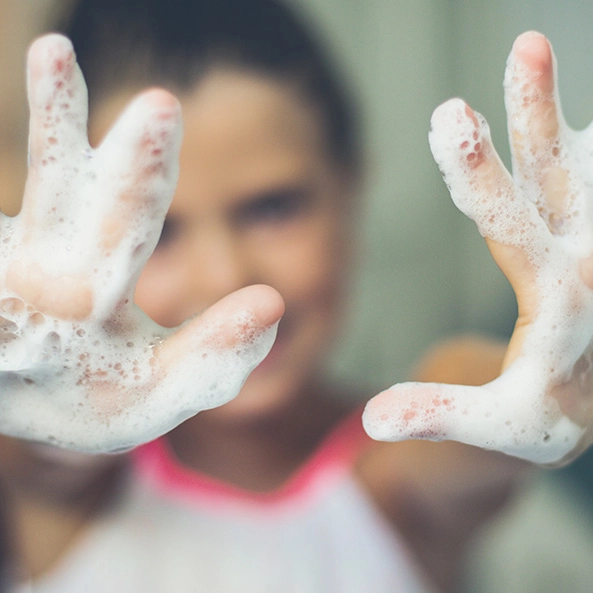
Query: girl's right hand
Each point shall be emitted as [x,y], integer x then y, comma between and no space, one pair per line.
[80,365]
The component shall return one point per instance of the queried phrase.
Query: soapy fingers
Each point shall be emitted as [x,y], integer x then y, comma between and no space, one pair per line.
[138,156]
[80,365]
[536,129]
[57,100]
[136,167]
[532,103]
[538,227]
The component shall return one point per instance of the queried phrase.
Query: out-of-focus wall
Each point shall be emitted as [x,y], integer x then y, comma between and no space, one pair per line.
[396,55]
[425,272]
[20,22]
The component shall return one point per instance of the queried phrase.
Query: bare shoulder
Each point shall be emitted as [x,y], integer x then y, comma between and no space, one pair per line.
[466,360]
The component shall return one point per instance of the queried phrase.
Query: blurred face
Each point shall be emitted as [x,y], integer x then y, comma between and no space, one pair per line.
[259,200]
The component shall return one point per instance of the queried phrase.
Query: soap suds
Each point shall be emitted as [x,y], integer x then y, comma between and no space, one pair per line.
[80,365]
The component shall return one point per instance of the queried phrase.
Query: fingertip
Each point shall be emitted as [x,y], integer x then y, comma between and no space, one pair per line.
[243,315]
[376,416]
[145,139]
[531,44]
[459,136]
[471,114]
[55,41]
[534,51]
[453,117]
[160,100]
[52,50]
[445,112]
[151,117]
[263,302]
[396,414]
[245,318]
[410,411]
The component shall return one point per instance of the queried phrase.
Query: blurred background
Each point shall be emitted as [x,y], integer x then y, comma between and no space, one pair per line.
[424,272]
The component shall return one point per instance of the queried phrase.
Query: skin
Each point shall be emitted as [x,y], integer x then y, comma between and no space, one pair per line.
[61,491]
[284,218]
[52,496]
[21,23]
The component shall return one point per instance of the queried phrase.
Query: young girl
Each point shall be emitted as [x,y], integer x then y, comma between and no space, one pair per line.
[280,489]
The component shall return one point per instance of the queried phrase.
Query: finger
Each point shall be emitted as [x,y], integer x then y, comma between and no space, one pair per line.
[480,185]
[430,411]
[206,362]
[232,323]
[483,189]
[536,128]
[531,98]
[139,164]
[201,366]
[57,100]
[495,416]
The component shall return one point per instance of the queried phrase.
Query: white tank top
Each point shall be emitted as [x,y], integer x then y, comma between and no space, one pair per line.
[176,531]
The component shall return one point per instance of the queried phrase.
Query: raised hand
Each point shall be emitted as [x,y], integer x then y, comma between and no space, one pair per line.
[539,227]
[80,365]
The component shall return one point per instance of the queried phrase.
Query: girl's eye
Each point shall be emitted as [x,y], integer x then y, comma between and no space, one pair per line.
[273,207]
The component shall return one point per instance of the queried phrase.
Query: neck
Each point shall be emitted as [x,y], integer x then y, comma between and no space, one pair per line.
[257,454]
[44,529]
[44,534]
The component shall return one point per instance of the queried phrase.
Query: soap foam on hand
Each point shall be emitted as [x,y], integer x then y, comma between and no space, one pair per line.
[80,365]
[540,408]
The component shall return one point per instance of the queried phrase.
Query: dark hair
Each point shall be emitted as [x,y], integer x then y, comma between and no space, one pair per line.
[172,43]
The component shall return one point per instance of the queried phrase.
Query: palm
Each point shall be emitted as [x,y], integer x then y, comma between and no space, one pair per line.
[80,364]
[539,229]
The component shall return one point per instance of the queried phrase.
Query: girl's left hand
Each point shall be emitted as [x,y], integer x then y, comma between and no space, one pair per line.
[538,224]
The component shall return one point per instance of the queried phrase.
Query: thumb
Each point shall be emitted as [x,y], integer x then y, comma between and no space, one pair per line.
[431,411]
[506,415]
[235,321]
